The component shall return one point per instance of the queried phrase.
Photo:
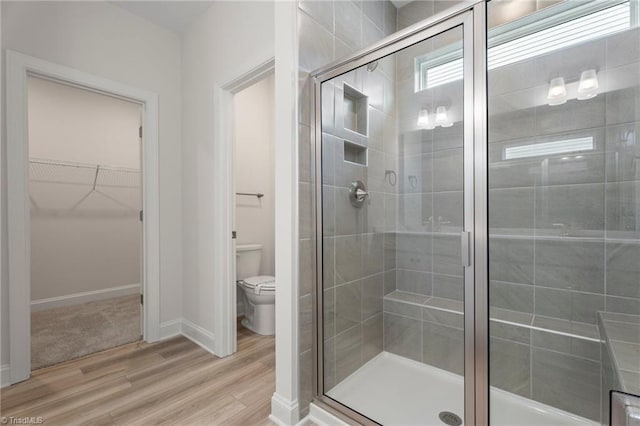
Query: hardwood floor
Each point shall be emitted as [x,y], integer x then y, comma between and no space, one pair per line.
[174,382]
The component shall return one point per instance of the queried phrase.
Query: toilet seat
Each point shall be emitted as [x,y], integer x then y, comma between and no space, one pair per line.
[259,284]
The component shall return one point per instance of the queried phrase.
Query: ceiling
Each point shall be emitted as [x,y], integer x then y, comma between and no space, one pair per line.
[175,16]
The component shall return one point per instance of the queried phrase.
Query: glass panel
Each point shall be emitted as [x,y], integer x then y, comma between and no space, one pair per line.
[393,281]
[564,209]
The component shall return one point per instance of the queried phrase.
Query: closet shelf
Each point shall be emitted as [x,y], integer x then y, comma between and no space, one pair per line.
[80,183]
[95,175]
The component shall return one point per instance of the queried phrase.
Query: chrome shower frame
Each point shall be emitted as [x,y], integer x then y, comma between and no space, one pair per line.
[471,15]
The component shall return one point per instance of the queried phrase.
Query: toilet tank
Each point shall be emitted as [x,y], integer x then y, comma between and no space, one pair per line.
[248,260]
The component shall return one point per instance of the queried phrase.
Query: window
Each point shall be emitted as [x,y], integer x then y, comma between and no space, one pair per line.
[548,148]
[566,25]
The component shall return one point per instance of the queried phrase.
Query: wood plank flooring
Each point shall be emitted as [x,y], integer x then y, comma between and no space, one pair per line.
[174,382]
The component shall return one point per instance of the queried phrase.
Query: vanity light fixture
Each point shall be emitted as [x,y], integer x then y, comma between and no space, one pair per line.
[441,117]
[557,94]
[588,87]
[423,120]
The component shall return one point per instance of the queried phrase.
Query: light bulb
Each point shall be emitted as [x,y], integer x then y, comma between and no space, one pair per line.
[557,94]
[588,87]
[423,119]
[441,117]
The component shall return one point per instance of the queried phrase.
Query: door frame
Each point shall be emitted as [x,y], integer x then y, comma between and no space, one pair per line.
[224,246]
[472,16]
[18,67]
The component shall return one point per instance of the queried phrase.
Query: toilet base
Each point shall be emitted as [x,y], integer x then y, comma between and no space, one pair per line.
[260,319]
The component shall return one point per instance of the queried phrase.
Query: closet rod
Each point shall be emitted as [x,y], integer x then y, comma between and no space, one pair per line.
[258,194]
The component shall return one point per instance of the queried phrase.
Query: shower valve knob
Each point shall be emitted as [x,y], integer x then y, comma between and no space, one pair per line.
[358,194]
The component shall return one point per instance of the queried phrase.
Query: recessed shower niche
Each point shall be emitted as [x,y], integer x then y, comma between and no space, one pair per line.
[354,153]
[355,110]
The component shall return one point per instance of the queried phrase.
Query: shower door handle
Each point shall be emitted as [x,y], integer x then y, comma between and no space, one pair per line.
[465,248]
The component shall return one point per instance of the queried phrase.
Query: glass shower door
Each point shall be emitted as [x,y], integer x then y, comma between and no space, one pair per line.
[564,204]
[395,209]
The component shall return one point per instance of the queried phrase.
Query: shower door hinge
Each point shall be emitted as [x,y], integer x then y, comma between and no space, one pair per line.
[140,132]
[142,299]
[233,234]
[141,216]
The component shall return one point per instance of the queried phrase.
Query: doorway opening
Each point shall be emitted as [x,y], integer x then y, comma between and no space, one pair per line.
[224,189]
[85,196]
[254,213]
[19,69]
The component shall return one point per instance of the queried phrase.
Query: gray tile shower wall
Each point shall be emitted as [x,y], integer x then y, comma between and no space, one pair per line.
[362,238]
[584,209]
[573,248]
[357,242]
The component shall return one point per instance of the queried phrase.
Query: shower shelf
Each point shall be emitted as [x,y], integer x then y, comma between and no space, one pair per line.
[118,186]
[354,153]
[356,116]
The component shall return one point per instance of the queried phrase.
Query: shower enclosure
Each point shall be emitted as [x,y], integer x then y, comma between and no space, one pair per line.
[478,218]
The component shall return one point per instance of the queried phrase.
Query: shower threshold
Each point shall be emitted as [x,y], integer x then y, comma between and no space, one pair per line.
[394,390]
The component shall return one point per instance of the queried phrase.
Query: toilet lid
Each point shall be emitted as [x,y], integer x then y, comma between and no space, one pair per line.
[266,282]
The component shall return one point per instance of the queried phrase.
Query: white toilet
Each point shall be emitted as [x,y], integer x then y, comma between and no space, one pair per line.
[259,290]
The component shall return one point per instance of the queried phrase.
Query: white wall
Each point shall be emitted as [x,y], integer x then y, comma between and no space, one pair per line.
[230,39]
[71,124]
[94,245]
[107,41]
[254,169]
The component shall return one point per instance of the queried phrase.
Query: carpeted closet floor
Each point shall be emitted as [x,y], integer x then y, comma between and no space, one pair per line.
[62,334]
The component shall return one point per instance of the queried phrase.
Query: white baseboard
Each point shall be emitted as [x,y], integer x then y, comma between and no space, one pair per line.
[5,375]
[191,331]
[320,417]
[88,296]
[199,335]
[283,411]
[170,329]
[307,421]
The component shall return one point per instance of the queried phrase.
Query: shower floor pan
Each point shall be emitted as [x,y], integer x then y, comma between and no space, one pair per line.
[398,391]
